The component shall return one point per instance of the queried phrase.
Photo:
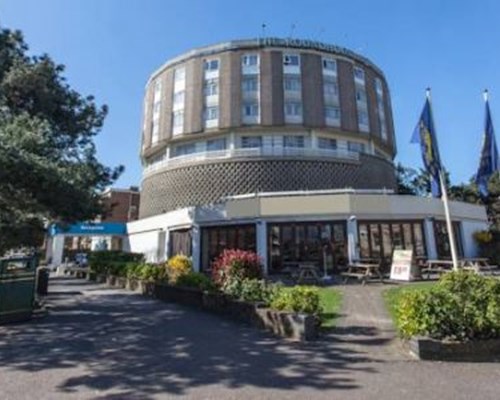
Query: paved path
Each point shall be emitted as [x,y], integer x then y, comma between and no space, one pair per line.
[100,343]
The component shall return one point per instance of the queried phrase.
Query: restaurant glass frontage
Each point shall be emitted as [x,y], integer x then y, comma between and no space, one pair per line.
[214,240]
[442,241]
[180,242]
[377,239]
[321,243]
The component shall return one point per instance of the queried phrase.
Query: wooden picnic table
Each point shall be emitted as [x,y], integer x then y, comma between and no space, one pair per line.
[436,266]
[362,271]
[478,265]
[308,272]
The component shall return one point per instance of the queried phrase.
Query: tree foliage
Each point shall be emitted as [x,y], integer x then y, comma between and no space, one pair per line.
[49,171]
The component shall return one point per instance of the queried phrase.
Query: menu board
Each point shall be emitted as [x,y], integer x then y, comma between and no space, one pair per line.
[402,262]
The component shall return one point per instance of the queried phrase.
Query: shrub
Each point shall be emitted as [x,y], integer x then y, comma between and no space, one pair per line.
[178,266]
[251,290]
[150,272]
[300,299]
[489,244]
[195,280]
[103,262]
[462,306]
[236,265]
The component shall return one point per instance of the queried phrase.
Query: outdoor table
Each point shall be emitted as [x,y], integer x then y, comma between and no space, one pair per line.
[478,265]
[437,266]
[362,271]
[308,272]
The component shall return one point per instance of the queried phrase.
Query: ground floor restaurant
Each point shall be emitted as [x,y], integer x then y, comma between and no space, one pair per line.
[325,229]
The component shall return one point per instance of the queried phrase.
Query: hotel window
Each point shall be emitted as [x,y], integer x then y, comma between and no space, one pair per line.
[211,113]
[293,109]
[359,74]
[291,59]
[250,110]
[250,60]
[361,96]
[211,65]
[248,142]
[356,147]
[250,84]
[332,112]
[179,98]
[179,74]
[178,118]
[292,83]
[327,143]
[363,120]
[216,144]
[330,88]
[184,149]
[293,141]
[211,87]
[329,64]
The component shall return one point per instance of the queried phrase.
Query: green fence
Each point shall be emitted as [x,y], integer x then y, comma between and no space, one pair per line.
[17,288]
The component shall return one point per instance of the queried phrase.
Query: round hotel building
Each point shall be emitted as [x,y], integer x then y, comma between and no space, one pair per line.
[283,146]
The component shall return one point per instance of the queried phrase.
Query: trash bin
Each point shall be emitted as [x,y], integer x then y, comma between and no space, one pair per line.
[42,281]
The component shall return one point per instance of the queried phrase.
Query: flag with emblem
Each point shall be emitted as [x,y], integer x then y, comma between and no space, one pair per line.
[425,135]
[488,163]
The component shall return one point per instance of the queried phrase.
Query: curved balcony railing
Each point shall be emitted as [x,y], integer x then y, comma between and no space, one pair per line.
[340,154]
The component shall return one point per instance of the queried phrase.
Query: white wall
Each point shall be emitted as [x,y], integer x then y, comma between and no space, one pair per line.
[468,229]
[146,243]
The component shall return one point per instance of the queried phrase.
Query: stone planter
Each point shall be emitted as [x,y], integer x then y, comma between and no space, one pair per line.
[182,295]
[101,278]
[214,302]
[134,284]
[121,282]
[92,276]
[302,327]
[110,280]
[426,348]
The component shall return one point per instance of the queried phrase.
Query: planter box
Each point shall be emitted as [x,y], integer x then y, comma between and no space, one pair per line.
[430,349]
[110,280]
[214,302]
[101,278]
[302,327]
[92,276]
[121,282]
[135,285]
[186,296]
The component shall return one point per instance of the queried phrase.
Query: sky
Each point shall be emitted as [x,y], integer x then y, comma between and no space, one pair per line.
[110,47]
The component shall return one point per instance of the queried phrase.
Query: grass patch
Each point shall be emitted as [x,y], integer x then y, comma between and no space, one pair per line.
[330,300]
[392,296]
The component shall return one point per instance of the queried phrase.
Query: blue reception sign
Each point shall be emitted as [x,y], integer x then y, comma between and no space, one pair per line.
[90,228]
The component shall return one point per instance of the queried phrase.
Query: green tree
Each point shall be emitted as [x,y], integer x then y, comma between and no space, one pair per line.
[48,166]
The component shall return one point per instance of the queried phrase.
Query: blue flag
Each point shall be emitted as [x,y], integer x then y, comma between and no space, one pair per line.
[488,163]
[425,135]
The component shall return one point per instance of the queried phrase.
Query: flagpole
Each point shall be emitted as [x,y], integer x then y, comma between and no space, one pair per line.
[444,198]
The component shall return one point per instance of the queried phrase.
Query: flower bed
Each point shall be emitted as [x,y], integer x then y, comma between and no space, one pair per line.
[235,291]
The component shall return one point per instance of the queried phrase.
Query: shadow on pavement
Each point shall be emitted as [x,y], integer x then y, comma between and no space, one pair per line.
[142,347]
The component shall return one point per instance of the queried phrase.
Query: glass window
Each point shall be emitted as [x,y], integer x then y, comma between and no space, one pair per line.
[419,240]
[378,87]
[179,74]
[293,141]
[179,97]
[327,143]
[292,83]
[250,110]
[364,245]
[250,60]
[293,108]
[178,118]
[363,118]
[356,147]
[216,144]
[330,88]
[211,87]
[329,64]
[386,240]
[250,84]
[291,59]
[397,237]
[251,141]
[408,238]
[184,149]
[359,73]
[332,112]
[211,113]
[442,240]
[211,65]
[361,95]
